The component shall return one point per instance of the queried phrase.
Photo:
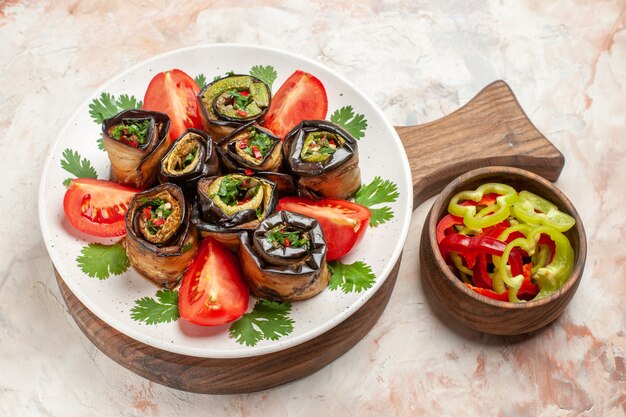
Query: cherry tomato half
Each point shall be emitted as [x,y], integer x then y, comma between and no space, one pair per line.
[301,97]
[97,207]
[343,223]
[212,291]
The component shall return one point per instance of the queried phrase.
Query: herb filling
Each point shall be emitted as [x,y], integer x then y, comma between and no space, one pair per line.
[319,146]
[131,132]
[285,236]
[254,143]
[237,104]
[155,214]
[236,191]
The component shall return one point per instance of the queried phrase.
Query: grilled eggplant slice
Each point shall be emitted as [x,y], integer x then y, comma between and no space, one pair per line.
[324,158]
[231,204]
[251,147]
[284,259]
[135,141]
[192,156]
[161,241]
[232,101]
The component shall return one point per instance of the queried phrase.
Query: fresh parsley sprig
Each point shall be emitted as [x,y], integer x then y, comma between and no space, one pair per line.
[200,80]
[353,123]
[102,261]
[355,277]
[163,309]
[268,320]
[107,106]
[267,74]
[377,192]
[73,163]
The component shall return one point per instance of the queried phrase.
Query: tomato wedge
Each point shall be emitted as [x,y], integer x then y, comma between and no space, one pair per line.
[175,93]
[212,291]
[343,223]
[301,97]
[98,207]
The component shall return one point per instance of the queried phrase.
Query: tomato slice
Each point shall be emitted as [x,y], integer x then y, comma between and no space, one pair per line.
[98,207]
[343,223]
[301,97]
[212,291]
[175,93]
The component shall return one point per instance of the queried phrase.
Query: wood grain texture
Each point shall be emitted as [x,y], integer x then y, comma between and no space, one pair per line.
[490,130]
[230,376]
[477,311]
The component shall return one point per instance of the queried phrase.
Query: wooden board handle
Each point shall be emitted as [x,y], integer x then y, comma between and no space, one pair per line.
[491,129]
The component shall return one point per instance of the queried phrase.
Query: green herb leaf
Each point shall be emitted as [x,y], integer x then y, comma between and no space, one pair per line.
[162,310]
[100,261]
[355,124]
[354,277]
[200,80]
[74,164]
[267,74]
[108,106]
[269,320]
[101,144]
[186,247]
[377,192]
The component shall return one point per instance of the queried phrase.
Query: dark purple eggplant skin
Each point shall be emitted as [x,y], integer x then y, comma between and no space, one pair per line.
[209,164]
[284,274]
[228,121]
[337,177]
[162,263]
[232,161]
[157,119]
[294,140]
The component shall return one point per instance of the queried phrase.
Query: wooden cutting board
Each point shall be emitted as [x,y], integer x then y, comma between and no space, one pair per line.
[492,129]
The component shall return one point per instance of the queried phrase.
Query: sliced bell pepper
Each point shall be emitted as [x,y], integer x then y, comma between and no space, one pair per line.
[488,216]
[532,209]
[489,293]
[549,278]
[445,226]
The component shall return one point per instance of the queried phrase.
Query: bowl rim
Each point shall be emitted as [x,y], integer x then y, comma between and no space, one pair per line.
[445,195]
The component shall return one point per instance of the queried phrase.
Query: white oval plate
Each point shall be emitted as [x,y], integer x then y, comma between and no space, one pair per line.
[381,154]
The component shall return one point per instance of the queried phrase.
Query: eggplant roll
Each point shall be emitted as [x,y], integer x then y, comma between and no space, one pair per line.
[324,158]
[284,259]
[251,147]
[160,239]
[232,101]
[191,156]
[135,141]
[231,204]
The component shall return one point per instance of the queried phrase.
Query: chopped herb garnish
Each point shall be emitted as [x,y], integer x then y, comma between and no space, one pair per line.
[286,237]
[187,246]
[155,214]
[241,100]
[257,144]
[131,132]
[318,146]
[189,158]
[236,190]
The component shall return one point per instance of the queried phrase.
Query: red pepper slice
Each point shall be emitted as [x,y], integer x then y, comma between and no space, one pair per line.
[445,225]
[487,200]
[528,290]
[242,113]
[257,153]
[470,247]
[546,241]
[489,293]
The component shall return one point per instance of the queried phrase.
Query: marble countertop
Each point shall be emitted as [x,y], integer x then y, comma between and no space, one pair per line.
[418,60]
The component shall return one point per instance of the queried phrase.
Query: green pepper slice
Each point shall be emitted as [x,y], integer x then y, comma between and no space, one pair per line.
[536,210]
[550,277]
[490,215]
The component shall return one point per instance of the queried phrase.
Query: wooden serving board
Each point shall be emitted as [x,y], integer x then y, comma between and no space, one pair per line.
[492,129]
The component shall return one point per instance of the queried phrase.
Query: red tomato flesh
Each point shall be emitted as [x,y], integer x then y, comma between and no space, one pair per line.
[98,207]
[301,97]
[343,222]
[212,291]
[175,93]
